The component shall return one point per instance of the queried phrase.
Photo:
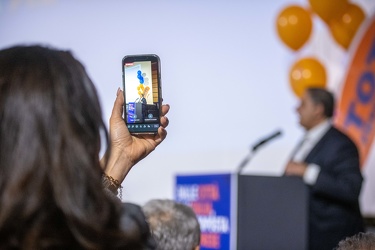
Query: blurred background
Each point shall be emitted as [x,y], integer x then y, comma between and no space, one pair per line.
[229,72]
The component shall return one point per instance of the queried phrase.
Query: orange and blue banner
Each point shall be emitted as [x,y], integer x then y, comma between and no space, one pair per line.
[355,112]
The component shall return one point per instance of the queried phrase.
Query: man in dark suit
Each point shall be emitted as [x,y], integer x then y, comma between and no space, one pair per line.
[328,162]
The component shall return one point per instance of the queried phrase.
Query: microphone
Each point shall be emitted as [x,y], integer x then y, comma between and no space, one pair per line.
[254,148]
[265,140]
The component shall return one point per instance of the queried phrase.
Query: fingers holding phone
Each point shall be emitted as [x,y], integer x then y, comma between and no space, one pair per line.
[127,149]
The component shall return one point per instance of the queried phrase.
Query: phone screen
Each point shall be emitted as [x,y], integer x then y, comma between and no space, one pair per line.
[142,93]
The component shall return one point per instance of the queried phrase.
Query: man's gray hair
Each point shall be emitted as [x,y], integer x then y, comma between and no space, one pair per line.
[361,241]
[174,225]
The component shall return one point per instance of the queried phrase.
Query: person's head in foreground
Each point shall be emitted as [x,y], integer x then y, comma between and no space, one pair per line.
[51,123]
[174,225]
[361,241]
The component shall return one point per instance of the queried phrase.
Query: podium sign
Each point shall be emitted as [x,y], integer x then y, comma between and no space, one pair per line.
[247,212]
[210,197]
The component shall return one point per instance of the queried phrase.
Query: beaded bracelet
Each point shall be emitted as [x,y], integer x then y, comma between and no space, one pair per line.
[112,184]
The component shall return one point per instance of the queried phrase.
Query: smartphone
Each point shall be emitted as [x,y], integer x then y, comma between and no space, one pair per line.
[142,93]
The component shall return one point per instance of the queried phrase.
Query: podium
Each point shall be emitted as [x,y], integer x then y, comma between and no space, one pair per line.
[247,212]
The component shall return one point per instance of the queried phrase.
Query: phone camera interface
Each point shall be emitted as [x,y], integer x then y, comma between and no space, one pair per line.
[141,95]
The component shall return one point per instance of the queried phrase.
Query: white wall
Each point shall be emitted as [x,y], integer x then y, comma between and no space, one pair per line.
[224,73]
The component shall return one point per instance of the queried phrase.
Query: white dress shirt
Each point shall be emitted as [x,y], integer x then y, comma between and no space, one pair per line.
[311,138]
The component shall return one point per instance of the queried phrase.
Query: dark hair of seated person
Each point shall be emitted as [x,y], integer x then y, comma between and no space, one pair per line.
[51,127]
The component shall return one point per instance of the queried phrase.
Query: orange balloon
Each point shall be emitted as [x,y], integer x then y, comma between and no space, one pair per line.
[307,72]
[328,9]
[344,26]
[294,26]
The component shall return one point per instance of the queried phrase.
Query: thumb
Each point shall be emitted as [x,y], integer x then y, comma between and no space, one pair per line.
[118,106]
